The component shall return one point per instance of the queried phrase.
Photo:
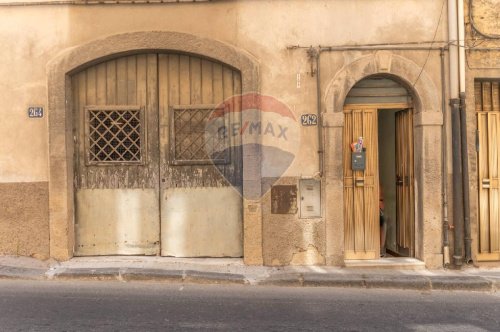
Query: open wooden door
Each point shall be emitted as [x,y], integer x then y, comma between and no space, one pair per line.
[361,189]
[405,200]
[489,187]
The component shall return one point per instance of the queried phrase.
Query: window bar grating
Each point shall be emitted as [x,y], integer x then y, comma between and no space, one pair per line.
[194,140]
[114,135]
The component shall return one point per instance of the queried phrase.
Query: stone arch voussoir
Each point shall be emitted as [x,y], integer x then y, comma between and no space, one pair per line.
[394,66]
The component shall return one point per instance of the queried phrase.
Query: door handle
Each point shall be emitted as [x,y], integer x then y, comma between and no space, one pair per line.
[486,183]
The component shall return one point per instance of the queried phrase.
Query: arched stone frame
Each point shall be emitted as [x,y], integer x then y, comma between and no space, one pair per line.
[61,200]
[427,148]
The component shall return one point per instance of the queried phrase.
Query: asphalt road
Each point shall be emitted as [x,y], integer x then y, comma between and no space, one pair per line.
[116,306]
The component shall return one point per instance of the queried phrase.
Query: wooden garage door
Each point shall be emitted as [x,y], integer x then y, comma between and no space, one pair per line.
[201,205]
[143,181]
[361,188]
[488,122]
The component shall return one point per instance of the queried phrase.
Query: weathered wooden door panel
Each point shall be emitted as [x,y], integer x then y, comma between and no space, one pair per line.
[361,192]
[487,99]
[201,205]
[116,157]
[489,185]
[405,200]
[201,222]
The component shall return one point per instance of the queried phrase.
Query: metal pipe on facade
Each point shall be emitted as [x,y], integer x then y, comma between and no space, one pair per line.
[318,112]
[370,47]
[314,53]
[463,129]
[453,48]
[455,86]
[444,145]
[457,183]
[461,45]
[465,180]
[380,48]
[90,2]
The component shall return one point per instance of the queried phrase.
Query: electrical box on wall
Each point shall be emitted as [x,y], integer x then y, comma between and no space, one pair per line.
[310,198]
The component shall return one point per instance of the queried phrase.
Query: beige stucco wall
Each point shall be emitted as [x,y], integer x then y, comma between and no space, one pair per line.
[34,35]
[24,221]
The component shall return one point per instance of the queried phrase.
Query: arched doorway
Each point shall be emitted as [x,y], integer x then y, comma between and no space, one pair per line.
[61,137]
[145,183]
[378,164]
[427,130]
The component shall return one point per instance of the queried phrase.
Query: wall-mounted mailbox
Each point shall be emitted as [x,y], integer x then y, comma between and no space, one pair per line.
[310,198]
[358,161]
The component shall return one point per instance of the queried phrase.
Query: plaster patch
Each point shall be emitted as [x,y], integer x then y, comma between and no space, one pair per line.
[310,256]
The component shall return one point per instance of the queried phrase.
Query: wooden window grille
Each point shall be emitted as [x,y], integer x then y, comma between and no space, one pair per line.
[115,134]
[199,135]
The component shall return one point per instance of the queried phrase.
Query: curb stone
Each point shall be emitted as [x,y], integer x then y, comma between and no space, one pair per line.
[12,272]
[461,283]
[213,277]
[495,283]
[289,279]
[136,274]
[89,274]
[333,280]
[413,282]
[488,283]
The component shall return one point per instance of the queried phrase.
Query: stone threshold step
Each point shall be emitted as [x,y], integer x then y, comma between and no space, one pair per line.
[390,263]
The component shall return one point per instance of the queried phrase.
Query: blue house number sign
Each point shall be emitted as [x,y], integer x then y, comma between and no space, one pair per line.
[35,112]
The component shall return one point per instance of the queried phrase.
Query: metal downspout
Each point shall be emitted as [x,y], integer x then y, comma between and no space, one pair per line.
[457,183]
[465,180]
[320,120]
[453,49]
[456,85]
[446,226]
[314,55]
[463,129]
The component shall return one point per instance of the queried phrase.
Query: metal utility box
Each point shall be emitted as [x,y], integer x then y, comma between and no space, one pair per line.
[358,161]
[310,198]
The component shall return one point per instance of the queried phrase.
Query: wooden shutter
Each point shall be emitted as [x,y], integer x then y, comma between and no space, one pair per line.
[488,122]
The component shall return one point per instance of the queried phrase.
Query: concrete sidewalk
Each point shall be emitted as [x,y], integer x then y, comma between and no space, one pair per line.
[233,271]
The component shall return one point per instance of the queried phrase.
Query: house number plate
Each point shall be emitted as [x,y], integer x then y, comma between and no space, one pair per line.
[309,119]
[35,112]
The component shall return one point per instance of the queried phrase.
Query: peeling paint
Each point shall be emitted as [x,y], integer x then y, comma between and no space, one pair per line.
[310,256]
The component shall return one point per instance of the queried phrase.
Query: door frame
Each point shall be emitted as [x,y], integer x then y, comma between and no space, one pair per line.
[428,121]
[381,107]
[60,126]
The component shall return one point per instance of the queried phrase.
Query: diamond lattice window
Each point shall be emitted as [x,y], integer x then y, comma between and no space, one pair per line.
[115,135]
[199,135]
